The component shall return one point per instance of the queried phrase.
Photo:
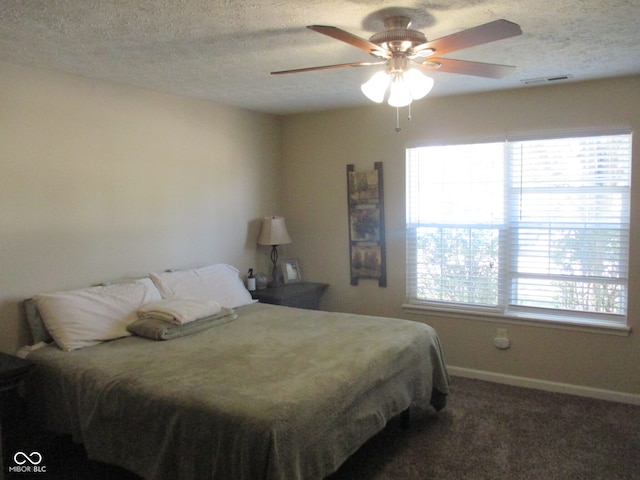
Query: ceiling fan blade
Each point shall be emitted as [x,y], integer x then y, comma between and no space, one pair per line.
[464,67]
[351,39]
[325,67]
[489,32]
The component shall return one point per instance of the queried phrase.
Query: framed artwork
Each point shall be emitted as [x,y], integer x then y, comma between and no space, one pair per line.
[291,271]
[366,260]
[364,187]
[366,225]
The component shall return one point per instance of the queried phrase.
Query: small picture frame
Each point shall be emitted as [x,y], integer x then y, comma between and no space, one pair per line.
[291,272]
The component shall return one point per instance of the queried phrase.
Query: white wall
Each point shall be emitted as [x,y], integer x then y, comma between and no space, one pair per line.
[318,147]
[100,181]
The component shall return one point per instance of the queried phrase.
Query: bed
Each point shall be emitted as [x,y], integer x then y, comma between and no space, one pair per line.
[263,392]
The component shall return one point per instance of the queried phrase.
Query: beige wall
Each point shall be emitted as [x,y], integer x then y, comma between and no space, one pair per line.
[101,181]
[318,147]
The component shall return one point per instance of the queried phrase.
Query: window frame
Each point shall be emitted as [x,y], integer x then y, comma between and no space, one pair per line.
[504,311]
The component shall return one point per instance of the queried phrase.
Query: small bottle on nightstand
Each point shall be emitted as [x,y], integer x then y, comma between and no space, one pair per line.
[251,281]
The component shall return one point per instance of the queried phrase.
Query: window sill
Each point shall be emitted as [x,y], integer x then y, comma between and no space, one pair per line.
[579,324]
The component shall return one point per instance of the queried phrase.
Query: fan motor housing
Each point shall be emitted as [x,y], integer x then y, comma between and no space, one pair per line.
[398,37]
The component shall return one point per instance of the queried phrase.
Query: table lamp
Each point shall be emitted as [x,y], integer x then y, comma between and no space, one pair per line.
[274,233]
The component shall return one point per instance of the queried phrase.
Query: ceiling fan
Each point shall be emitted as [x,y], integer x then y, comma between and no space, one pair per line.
[401,48]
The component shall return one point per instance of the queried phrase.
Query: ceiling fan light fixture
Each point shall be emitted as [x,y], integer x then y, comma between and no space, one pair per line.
[375,88]
[418,83]
[399,93]
[404,87]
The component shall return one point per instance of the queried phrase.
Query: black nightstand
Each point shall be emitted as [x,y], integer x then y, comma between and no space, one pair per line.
[301,295]
[12,371]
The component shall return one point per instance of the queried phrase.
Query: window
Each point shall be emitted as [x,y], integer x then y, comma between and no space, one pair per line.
[532,228]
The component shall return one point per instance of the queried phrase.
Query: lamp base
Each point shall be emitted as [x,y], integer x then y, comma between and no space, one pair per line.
[275,281]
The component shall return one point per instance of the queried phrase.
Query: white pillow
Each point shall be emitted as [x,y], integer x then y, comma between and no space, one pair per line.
[219,282]
[81,318]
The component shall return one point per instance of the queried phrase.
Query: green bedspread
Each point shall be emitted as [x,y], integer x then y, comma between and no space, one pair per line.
[278,393]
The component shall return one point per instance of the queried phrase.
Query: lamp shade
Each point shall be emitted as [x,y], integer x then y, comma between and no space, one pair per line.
[418,83]
[273,232]
[399,94]
[376,87]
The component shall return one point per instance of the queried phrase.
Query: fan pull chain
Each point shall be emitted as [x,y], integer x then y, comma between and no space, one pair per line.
[409,118]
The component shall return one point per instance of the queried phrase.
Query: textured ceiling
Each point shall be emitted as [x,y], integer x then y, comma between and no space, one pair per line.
[223,50]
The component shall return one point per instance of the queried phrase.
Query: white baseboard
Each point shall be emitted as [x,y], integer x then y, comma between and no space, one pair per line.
[600,394]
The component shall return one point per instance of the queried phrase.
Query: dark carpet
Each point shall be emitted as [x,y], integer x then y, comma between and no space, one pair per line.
[487,431]
[492,431]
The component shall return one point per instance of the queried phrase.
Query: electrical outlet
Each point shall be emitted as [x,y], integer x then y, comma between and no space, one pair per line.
[501,340]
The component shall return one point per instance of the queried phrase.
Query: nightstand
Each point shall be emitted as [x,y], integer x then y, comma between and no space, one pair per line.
[301,295]
[12,371]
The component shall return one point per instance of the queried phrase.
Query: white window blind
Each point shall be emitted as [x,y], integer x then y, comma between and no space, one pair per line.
[531,227]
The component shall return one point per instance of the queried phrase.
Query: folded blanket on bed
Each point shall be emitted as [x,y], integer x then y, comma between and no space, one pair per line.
[179,311]
[157,329]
